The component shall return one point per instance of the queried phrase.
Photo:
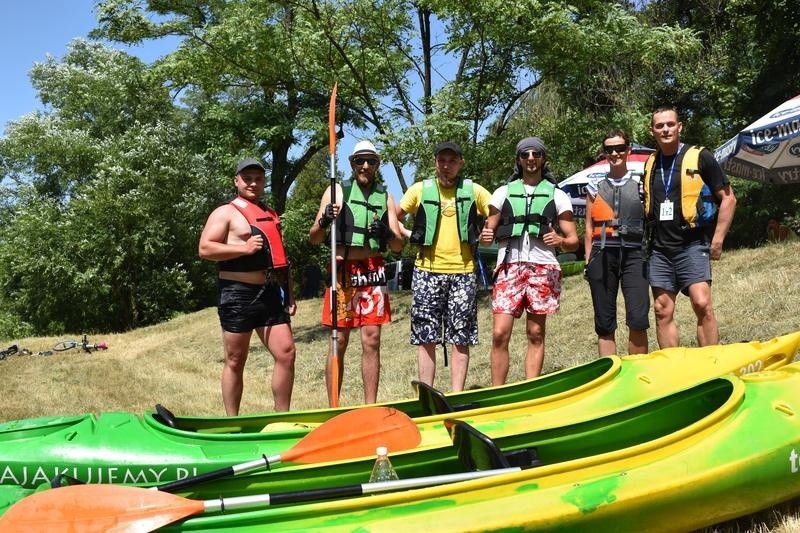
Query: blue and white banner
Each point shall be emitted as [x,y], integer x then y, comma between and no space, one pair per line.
[767,150]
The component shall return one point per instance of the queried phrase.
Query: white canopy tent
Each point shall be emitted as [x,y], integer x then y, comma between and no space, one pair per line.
[575,185]
[767,150]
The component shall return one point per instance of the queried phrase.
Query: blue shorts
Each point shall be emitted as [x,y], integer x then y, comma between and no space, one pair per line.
[444,301]
[676,271]
[244,307]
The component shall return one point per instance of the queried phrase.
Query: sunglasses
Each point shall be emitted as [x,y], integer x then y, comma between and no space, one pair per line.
[361,160]
[619,148]
[528,153]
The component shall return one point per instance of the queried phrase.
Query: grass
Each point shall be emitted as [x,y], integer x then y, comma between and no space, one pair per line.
[178,363]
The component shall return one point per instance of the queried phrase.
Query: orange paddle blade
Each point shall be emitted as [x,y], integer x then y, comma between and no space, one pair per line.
[356,433]
[334,384]
[97,508]
[332,119]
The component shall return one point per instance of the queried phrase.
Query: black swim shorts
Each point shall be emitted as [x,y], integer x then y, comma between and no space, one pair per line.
[244,307]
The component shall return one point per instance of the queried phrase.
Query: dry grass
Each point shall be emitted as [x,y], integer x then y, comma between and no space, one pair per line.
[178,363]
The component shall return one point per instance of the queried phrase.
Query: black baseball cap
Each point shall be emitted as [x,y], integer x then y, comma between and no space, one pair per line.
[248,162]
[448,145]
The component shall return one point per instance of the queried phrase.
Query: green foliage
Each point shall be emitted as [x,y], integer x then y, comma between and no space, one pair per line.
[756,203]
[120,253]
[296,223]
[103,215]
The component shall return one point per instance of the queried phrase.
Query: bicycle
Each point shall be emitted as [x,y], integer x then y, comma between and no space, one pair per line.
[83,344]
[11,350]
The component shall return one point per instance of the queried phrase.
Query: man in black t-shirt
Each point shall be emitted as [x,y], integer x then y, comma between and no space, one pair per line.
[685,234]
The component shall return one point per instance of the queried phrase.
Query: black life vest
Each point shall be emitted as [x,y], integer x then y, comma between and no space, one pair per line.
[617,211]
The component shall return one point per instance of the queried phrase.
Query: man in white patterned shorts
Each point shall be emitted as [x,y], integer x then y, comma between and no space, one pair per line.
[523,216]
[444,287]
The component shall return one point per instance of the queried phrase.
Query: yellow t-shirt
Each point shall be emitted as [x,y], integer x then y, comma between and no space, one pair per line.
[447,255]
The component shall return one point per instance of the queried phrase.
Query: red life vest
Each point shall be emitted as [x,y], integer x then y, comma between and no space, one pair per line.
[265,222]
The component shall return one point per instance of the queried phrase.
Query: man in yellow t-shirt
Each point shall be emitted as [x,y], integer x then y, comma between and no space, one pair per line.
[444,286]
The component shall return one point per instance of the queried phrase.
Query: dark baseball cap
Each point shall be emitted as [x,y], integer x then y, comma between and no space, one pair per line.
[448,145]
[249,162]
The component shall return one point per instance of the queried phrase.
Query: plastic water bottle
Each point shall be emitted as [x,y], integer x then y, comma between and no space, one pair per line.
[383,469]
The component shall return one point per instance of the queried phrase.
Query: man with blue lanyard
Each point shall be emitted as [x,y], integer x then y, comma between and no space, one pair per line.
[689,205]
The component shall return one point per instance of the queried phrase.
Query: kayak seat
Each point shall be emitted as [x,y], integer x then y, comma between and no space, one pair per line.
[63,480]
[477,451]
[434,402]
[165,416]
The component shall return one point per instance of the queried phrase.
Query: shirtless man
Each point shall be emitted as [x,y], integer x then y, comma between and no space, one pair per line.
[244,238]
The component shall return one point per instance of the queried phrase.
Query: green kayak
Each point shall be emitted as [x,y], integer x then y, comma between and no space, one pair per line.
[125,448]
[714,451]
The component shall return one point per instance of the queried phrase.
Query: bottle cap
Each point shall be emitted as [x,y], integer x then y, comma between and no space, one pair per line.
[382,450]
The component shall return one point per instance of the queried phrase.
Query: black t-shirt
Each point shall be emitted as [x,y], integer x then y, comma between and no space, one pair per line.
[674,235]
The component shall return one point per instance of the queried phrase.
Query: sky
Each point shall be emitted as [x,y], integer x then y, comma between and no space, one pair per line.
[30,30]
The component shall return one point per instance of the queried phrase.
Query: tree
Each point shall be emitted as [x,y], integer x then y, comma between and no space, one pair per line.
[413,73]
[104,199]
[255,73]
[749,62]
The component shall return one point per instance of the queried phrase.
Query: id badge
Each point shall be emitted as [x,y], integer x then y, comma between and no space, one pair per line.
[666,212]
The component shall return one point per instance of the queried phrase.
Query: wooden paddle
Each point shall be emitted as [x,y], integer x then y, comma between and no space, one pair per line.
[122,508]
[351,434]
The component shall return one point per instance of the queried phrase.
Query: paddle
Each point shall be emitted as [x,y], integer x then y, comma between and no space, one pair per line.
[333,356]
[354,433]
[122,508]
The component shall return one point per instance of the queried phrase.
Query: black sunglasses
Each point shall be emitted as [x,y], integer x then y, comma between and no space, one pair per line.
[361,160]
[528,153]
[619,148]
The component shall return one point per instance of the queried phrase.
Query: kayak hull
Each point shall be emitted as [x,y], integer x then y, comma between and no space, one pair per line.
[718,450]
[130,449]
[739,457]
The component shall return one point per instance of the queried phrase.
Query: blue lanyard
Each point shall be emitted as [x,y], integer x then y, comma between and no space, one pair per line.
[668,184]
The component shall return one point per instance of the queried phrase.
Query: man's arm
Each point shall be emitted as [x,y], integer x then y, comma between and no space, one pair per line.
[317,233]
[291,306]
[409,200]
[727,207]
[214,245]
[490,226]
[396,240]
[568,241]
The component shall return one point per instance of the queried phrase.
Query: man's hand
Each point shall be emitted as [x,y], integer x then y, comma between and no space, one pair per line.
[715,250]
[551,238]
[379,230]
[487,234]
[253,244]
[330,213]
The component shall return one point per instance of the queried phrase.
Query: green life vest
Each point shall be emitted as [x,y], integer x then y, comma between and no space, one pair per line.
[427,218]
[698,203]
[358,213]
[523,212]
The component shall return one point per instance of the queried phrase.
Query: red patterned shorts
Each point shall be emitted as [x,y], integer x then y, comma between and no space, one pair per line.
[366,305]
[526,286]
